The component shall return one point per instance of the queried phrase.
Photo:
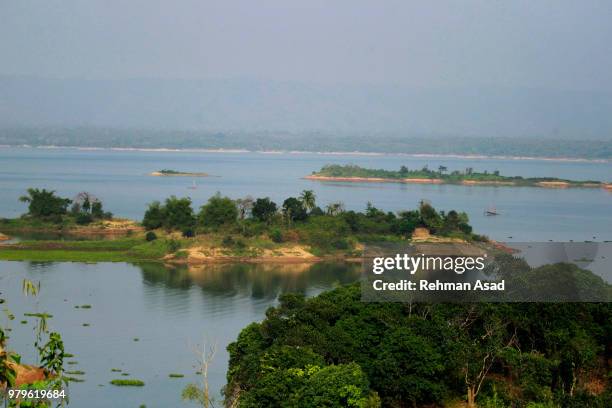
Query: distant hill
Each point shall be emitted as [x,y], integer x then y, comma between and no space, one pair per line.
[255,106]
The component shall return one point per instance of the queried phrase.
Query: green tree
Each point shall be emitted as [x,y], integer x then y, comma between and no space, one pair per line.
[430,217]
[336,386]
[96,210]
[263,209]
[154,216]
[293,210]
[309,199]
[408,221]
[218,211]
[44,203]
[179,214]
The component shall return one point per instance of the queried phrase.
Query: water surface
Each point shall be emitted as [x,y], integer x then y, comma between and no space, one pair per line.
[169,311]
[120,179]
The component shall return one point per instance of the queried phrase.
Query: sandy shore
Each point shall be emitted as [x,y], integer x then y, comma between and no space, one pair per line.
[542,184]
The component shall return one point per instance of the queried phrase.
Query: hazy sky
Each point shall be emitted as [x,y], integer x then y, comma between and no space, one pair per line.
[549,44]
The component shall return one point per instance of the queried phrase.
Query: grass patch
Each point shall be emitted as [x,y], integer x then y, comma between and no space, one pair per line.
[116,250]
[127,383]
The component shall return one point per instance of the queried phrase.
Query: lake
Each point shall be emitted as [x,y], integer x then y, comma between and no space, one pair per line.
[169,311]
[120,179]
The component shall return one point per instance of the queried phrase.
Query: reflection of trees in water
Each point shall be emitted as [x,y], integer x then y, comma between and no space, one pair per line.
[258,280]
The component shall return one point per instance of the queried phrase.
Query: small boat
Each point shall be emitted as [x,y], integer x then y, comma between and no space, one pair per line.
[491,211]
[193,186]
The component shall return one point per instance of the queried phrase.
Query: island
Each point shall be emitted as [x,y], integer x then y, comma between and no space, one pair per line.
[250,230]
[466,177]
[175,173]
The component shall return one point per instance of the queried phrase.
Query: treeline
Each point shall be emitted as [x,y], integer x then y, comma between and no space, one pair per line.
[441,172]
[335,350]
[300,219]
[45,205]
[309,141]
[350,170]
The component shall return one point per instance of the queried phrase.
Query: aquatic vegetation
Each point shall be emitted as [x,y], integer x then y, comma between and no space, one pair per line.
[83,307]
[116,370]
[176,375]
[127,383]
[75,372]
[39,315]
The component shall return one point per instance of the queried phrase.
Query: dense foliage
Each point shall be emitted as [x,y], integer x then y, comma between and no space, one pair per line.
[406,355]
[175,213]
[45,205]
[299,219]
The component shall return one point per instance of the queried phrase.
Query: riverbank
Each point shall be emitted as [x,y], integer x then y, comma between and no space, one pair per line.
[172,248]
[115,226]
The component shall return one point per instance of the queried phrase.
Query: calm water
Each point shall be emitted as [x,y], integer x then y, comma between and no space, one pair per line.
[120,179]
[170,311]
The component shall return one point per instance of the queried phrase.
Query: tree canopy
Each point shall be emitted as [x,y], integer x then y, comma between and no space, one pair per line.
[45,203]
[333,346]
[218,211]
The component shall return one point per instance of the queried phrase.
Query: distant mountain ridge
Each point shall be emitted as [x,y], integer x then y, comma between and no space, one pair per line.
[254,106]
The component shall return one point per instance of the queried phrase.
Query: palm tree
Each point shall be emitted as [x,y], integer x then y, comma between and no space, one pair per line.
[308,198]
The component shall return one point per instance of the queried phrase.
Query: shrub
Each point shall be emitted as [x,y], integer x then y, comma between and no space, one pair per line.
[174,245]
[228,241]
[276,235]
[84,219]
[150,236]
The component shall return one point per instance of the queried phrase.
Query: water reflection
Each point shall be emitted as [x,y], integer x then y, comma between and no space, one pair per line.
[258,281]
[165,308]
